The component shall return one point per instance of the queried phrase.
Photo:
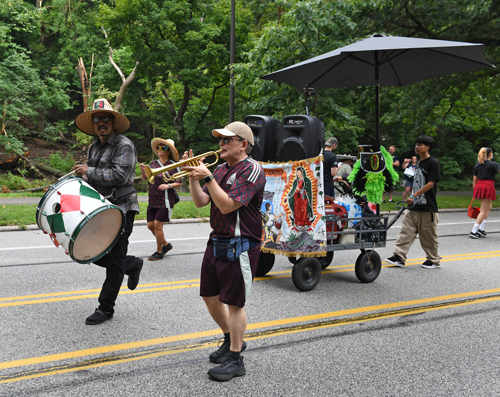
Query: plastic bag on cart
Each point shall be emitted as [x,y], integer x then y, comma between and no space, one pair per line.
[353,209]
[372,229]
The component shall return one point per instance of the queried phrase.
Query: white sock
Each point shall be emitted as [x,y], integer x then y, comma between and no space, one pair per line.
[483,223]
[476,226]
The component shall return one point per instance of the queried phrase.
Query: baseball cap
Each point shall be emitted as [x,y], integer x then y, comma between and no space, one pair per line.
[331,142]
[236,128]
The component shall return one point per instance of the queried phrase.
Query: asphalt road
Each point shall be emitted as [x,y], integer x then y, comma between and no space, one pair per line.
[412,332]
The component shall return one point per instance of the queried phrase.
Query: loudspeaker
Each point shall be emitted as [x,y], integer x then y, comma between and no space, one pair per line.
[265,132]
[300,137]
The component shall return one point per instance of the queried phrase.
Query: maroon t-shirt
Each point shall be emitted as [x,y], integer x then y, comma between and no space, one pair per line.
[243,182]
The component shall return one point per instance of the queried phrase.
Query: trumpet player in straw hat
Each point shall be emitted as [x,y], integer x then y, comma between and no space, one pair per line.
[162,194]
[111,168]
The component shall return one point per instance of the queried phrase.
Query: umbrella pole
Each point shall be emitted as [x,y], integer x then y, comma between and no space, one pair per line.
[377,108]
[377,122]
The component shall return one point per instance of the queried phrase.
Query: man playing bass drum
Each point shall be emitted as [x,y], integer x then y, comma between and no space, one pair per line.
[110,169]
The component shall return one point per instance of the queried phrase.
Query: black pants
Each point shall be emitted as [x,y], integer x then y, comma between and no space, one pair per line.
[117,264]
[330,190]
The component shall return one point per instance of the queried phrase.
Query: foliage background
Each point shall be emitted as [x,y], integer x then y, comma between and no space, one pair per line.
[181,87]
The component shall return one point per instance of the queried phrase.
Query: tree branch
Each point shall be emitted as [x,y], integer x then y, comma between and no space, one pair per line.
[124,87]
[209,107]
[111,51]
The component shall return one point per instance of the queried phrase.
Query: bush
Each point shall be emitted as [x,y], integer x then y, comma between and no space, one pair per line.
[14,182]
[449,183]
[61,163]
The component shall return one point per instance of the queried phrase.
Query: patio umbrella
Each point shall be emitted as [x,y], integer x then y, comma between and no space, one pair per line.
[383,61]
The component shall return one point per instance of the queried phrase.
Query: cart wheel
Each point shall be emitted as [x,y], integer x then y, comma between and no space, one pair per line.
[306,273]
[368,266]
[326,260]
[266,263]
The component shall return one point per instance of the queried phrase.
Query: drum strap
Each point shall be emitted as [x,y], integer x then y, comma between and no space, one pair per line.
[119,194]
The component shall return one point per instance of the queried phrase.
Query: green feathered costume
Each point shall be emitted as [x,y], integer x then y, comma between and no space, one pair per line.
[373,184]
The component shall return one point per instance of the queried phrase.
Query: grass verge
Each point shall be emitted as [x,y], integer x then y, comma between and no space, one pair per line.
[22,215]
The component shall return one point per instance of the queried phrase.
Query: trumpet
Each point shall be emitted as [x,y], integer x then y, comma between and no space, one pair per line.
[193,162]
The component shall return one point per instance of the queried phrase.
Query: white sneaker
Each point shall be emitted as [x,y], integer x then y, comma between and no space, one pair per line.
[395,260]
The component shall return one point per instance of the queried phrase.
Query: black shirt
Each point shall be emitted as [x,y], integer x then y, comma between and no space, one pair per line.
[330,161]
[427,171]
[488,170]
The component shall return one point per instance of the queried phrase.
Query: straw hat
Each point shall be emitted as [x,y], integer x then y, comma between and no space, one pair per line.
[344,157]
[84,120]
[171,145]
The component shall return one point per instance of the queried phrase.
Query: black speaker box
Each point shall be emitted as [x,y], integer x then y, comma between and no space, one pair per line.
[265,132]
[300,137]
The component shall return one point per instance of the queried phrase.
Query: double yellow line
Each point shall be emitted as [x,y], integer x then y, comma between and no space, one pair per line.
[194,283]
[65,362]
[122,353]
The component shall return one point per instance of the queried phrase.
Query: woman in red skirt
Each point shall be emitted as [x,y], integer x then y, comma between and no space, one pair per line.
[483,183]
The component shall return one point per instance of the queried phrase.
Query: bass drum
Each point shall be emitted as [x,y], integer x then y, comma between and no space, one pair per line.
[80,219]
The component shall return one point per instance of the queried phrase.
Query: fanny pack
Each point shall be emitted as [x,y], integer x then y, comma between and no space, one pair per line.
[230,249]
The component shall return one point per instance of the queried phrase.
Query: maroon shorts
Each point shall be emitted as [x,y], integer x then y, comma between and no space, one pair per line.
[230,280]
[485,189]
[158,214]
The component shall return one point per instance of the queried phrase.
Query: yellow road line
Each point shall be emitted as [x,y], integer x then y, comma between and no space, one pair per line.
[181,284]
[134,356]
[252,326]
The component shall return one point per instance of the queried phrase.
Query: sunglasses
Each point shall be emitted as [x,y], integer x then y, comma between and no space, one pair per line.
[105,119]
[227,140]
[163,148]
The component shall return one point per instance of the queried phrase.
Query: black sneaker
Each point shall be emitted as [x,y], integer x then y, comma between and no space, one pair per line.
[166,248]
[98,317]
[228,369]
[396,261]
[220,355]
[156,256]
[429,265]
[133,280]
[473,235]
[481,233]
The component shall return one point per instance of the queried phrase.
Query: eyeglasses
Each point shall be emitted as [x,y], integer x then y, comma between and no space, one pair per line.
[163,148]
[105,119]
[227,140]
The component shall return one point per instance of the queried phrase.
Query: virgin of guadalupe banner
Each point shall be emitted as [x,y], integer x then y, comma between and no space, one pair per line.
[293,209]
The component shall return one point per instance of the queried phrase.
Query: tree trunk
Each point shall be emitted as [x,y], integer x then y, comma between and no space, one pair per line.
[177,116]
[124,87]
[82,74]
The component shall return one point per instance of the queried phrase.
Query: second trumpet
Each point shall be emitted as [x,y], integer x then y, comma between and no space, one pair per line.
[193,162]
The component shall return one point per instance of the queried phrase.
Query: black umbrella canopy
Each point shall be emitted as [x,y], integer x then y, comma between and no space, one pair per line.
[383,61]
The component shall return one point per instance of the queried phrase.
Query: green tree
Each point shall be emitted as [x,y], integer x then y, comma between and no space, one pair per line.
[184,55]
[25,96]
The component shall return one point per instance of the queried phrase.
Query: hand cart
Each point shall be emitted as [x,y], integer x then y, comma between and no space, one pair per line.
[343,233]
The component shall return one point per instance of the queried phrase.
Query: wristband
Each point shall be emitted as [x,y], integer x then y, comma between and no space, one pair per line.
[412,197]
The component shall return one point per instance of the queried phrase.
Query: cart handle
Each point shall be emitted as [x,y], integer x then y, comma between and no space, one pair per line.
[400,205]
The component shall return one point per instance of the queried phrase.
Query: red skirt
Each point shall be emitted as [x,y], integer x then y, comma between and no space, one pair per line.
[485,189]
